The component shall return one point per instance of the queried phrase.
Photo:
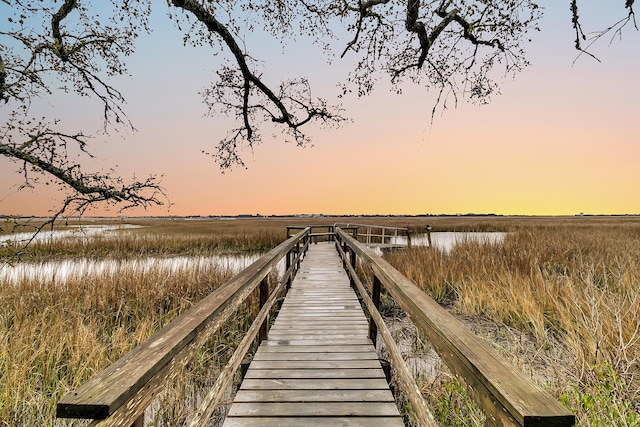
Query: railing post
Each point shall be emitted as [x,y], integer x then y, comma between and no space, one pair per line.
[352,257]
[288,264]
[139,422]
[344,248]
[264,296]
[375,297]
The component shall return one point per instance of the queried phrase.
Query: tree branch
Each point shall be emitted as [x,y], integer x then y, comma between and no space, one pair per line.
[247,86]
[67,7]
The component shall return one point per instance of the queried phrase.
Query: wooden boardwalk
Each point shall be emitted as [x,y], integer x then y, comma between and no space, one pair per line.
[318,366]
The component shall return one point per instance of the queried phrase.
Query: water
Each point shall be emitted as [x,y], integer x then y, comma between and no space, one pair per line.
[446,240]
[73,233]
[59,271]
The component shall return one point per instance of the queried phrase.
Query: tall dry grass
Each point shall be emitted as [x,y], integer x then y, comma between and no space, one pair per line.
[574,290]
[54,337]
[157,237]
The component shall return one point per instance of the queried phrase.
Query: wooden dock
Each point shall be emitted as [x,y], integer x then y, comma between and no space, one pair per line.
[317,366]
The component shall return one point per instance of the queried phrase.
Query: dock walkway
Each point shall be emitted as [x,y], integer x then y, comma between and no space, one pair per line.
[317,366]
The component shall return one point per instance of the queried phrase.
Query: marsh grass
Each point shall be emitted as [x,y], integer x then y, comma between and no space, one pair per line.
[54,337]
[575,290]
[157,238]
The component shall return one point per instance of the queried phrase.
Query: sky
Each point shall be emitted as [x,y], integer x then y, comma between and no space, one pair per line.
[562,138]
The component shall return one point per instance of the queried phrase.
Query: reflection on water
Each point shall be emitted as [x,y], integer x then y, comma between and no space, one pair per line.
[76,232]
[446,240]
[60,271]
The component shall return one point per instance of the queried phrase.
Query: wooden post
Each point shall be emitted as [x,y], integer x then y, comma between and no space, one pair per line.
[375,297]
[264,295]
[288,264]
[139,422]
[429,235]
[352,256]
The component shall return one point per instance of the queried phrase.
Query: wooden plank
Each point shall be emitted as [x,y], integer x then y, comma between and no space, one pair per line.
[313,409]
[313,422]
[318,327]
[317,342]
[314,396]
[327,314]
[302,333]
[263,355]
[315,364]
[322,333]
[318,348]
[287,318]
[321,307]
[313,373]
[329,339]
[314,384]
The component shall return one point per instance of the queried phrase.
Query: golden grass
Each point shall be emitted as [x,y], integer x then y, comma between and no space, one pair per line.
[54,338]
[575,289]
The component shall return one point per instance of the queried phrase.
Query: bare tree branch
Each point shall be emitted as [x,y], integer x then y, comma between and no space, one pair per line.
[45,43]
[249,85]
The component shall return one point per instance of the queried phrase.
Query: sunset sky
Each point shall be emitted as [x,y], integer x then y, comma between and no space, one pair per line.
[561,139]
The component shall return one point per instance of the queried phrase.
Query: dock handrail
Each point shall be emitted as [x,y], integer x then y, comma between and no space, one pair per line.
[120,394]
[376,234]
[507,397]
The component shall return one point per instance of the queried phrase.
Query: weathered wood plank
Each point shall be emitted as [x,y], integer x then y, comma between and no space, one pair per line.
[318,337]
[314,396]
[313,422]
[263,355]
[313,409]
[323,313]
[355,348]
[319,329]
[315,364]
[317,342]
[314,384]
[313,373]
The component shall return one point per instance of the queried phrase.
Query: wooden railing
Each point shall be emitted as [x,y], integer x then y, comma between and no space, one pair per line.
[507,397]
[379,235]
[119,395]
